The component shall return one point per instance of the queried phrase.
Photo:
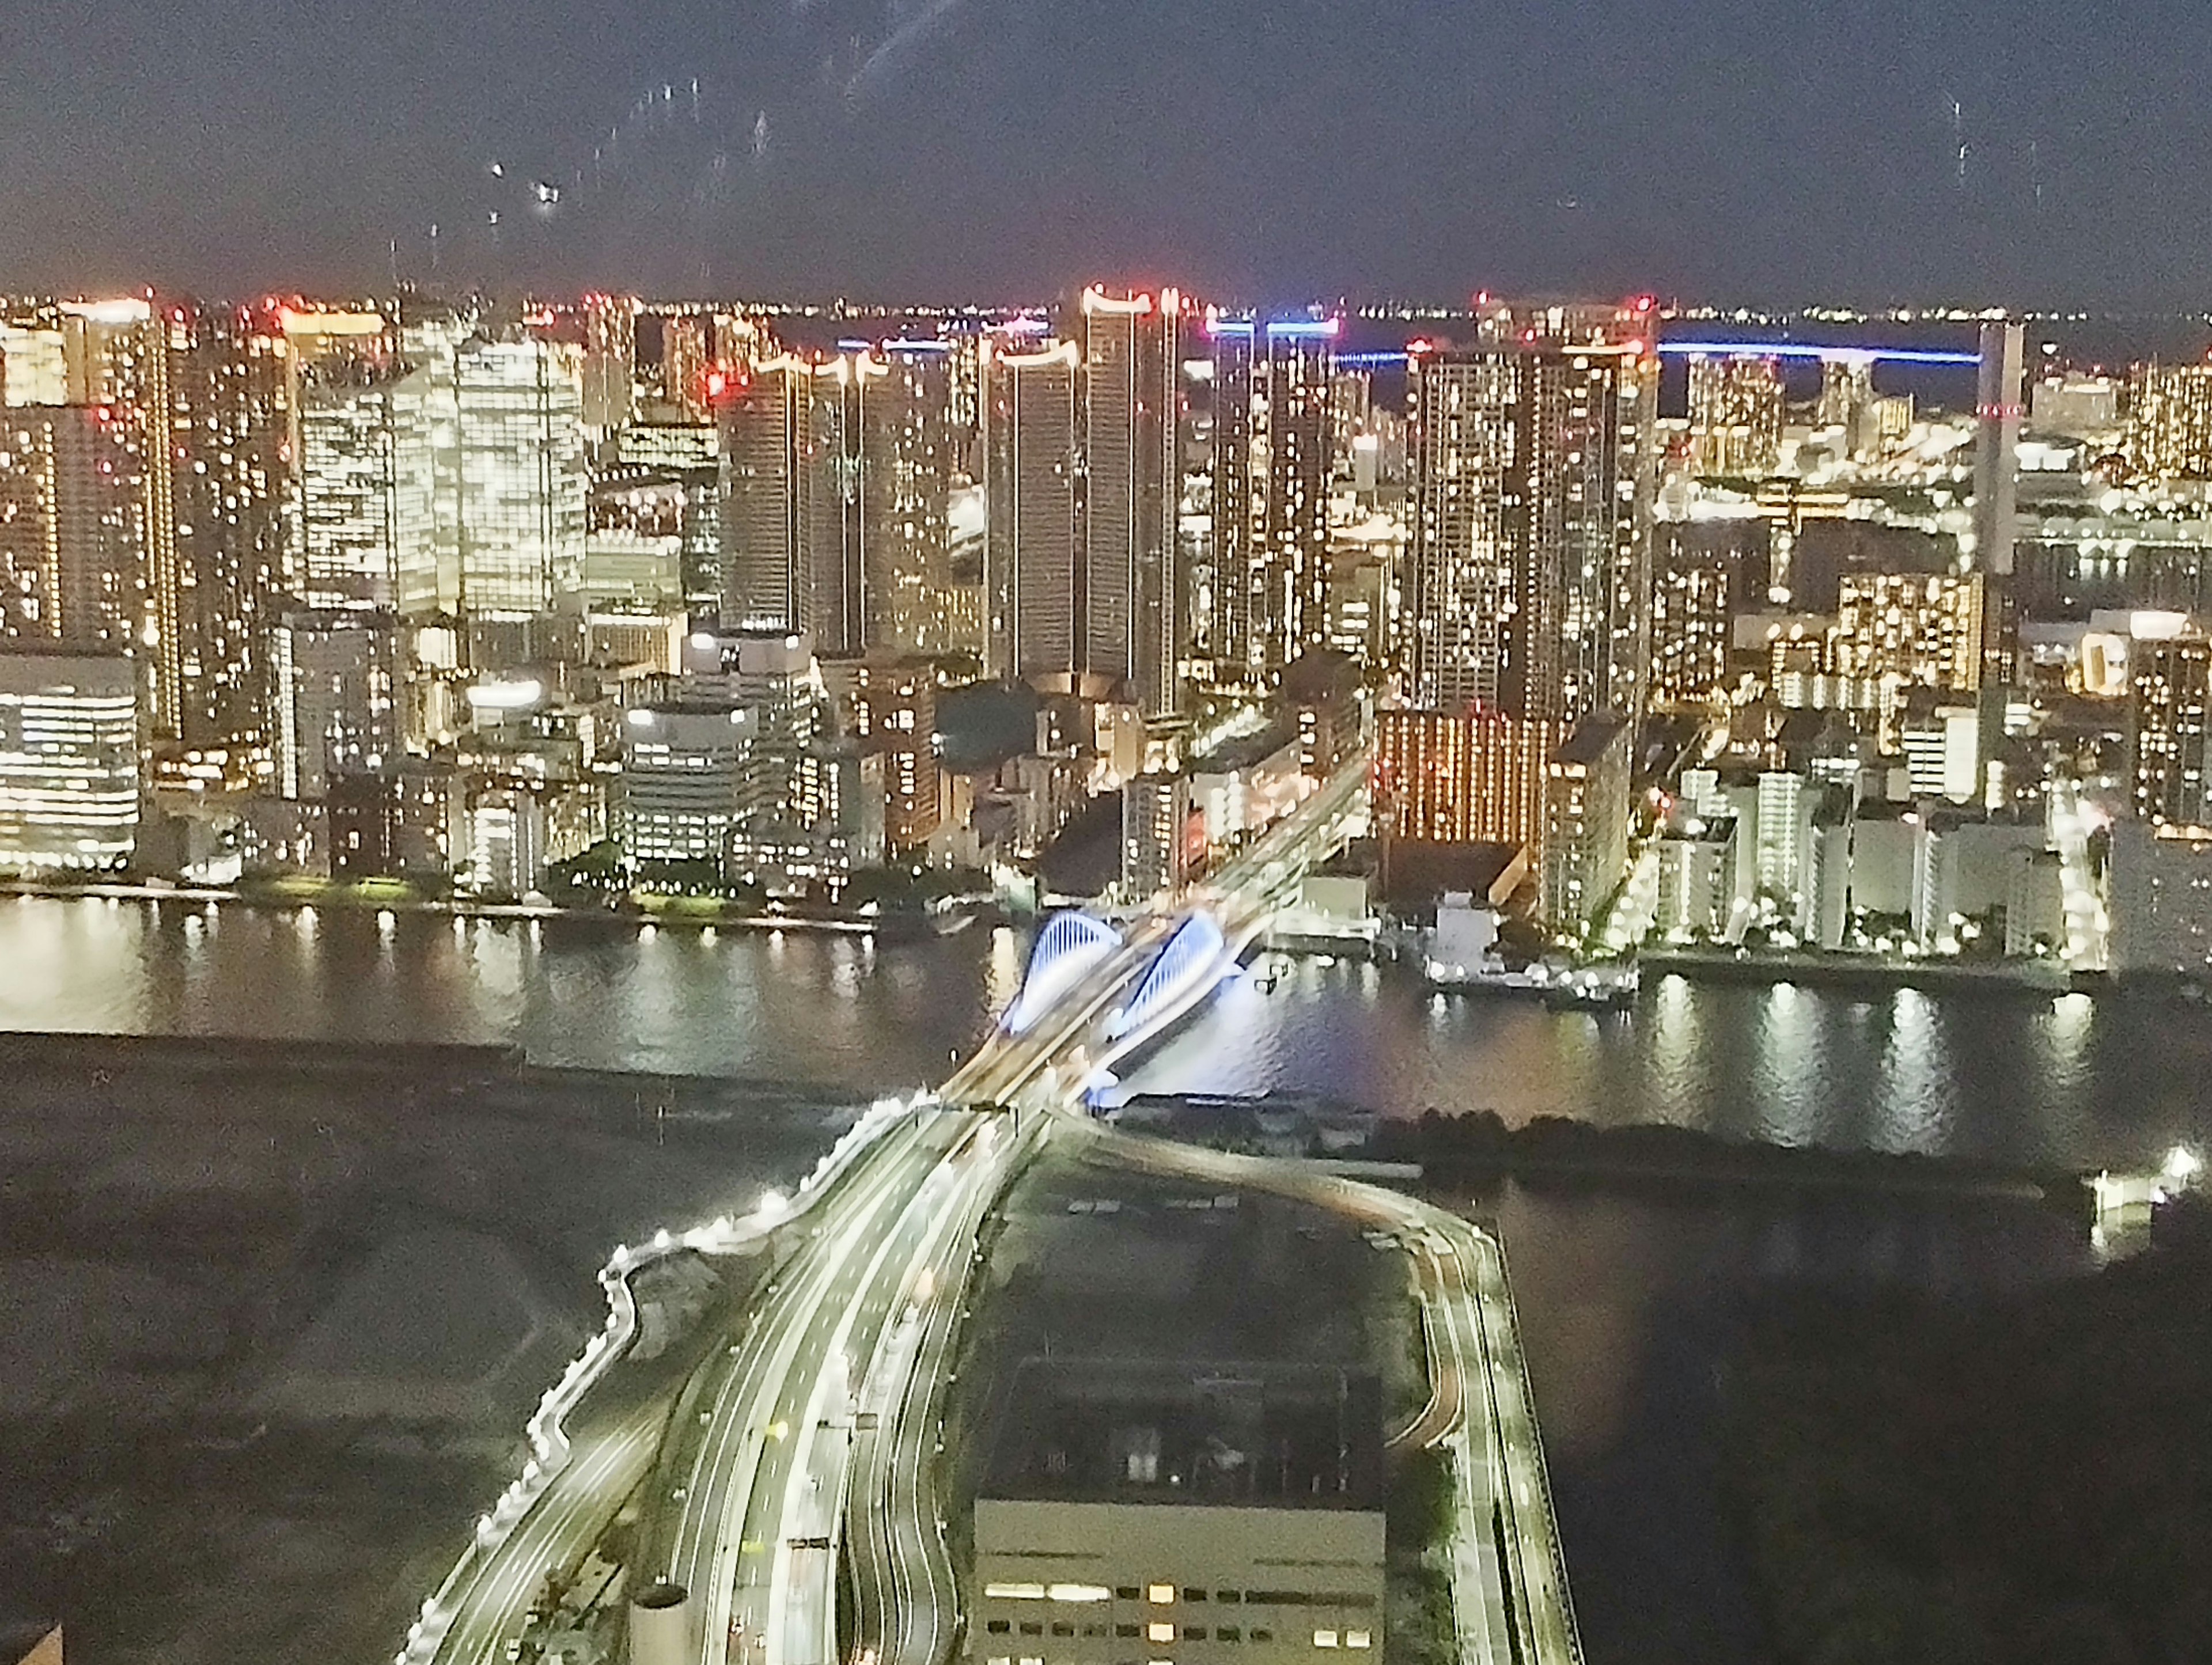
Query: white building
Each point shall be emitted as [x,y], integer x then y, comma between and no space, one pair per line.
[69,760]
[1965,869]
[1228,1517]
[1697,879]
[506,842]
[1942,753]
[345,513]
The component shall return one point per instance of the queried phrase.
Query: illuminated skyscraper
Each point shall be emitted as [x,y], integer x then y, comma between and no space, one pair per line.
[346,551]
[610,362]
[117,356]
[1131,347]
[1030,434]
[72,519]
[69,759]
[1735,416]
[905,464]
[1272,451]
[523,481]
[1531,558]
[231,424]
[2170,727]
[686,353]
[2168,426]
[791,557]
[33,367]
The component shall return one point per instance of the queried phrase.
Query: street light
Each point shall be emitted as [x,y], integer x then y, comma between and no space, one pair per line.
[2182,1165]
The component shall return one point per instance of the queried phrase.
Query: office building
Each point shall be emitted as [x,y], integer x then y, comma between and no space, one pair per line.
[686,781]
[610,392]
[1128,1513]
[346,485]
[2075,406]
[2169,699]
[2167,432]
[1735,416]
[1029,432]
[334,678]
[33,370]
[69,758]
[687,358]
[1131,352]
[523,480]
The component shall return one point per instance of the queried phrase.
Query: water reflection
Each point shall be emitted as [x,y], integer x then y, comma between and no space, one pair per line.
[590,993]
[2073,1081]
[2116,1079]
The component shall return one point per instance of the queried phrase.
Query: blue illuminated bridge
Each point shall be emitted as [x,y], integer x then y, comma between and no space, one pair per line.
[1066,949]
[1213,924]
[1940,357]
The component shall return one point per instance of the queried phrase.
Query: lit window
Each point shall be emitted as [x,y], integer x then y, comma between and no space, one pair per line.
[1079,1592]
[1358,1639]
[1324,1638]
[1159,1632]
[1160,1594]
[1015,1592]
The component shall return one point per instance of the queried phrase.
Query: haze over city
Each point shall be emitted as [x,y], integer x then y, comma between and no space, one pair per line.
[1001,150]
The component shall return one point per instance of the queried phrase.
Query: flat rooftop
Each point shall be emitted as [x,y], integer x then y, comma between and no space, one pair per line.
[1232,1436]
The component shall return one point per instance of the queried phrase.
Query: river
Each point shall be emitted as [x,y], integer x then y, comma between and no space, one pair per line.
[1629,1302]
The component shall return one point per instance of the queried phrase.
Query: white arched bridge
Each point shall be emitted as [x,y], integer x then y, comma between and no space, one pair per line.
[1171,959]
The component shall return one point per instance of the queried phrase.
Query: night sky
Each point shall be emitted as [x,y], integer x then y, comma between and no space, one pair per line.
[1002,149]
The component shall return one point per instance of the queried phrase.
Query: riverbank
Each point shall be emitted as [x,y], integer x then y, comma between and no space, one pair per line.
[1480,1143]
[632,912]
[1478,1146]
[2037,978]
